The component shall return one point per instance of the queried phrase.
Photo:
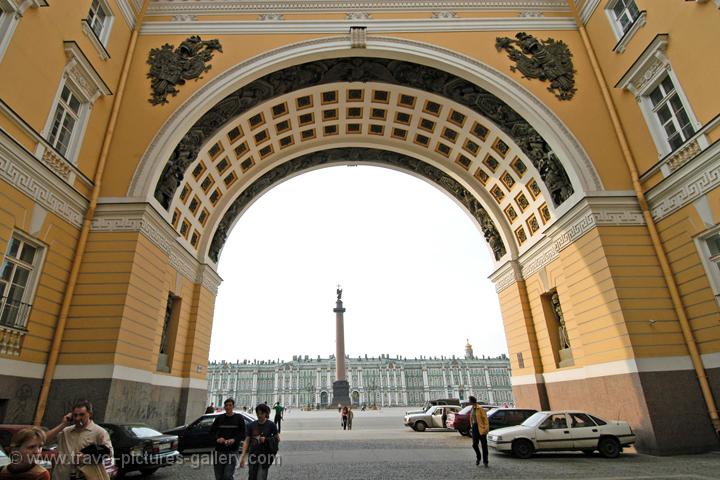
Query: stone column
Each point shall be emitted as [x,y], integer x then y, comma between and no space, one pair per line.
[341,387]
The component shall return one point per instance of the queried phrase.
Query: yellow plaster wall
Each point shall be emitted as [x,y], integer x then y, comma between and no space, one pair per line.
[678,232]
[59,240]
[692,27]
[517,321]
[34,61]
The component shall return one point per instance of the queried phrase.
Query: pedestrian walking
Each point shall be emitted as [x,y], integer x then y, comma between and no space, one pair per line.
[82,445]
[350,415]
[261,445]
[25,447]
[229,432]
[279,410]
[344,417]
[479,427]
[210,408]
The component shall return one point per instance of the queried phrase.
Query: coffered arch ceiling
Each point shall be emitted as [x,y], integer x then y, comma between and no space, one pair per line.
[427,135]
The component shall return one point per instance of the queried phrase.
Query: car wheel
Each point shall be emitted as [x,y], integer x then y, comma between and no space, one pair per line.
[420,426]
[464,433]
[609,447]
[146,472]
[522,448]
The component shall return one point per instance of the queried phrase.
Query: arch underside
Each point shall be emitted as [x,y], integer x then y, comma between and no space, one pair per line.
[356,155]
[361,69]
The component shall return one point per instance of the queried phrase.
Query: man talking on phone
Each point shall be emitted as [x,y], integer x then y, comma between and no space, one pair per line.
[76,435]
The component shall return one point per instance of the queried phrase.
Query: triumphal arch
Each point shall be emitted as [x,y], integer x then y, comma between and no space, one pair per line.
[581,137]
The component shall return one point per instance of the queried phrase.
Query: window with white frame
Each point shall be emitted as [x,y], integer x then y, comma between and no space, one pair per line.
[65,120]
[17,281]
[623,13]
[79,88]
[670,113]
[665,107]
[97,26]
[9,17]
[709,247]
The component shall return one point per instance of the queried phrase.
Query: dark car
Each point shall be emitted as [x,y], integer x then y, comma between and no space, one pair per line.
[197,434]
[139,447]
[498,418]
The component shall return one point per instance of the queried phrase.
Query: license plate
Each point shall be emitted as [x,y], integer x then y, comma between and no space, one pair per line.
[164,446]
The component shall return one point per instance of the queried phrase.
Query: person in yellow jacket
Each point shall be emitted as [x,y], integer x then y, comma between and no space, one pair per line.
[479,426]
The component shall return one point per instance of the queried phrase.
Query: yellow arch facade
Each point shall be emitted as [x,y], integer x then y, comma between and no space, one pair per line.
[595,202]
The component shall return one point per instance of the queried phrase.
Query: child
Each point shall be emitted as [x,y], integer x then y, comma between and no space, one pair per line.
[25,448]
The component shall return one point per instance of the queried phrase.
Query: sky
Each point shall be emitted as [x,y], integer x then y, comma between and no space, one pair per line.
[412,264]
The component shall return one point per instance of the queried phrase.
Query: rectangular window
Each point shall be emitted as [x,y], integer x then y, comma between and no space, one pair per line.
[709,247]
[17,282]
[670,113]
[9,18]
[65,121]
[96,18]
[625,12]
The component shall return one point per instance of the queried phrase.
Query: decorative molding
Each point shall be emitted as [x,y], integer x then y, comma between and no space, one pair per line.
[530,14]
[10,341]
[83,75]
[588,9]
[627,36]
[647,67]
[143,218]
[21,170]
[271,17]
[506,275]
[245,27]
[586,215]
[53,160]
[688,183]
[94,40]
[221,7]
[683,155]
[127,12]
[444,15]
[358,37]
[184,18]
[355,16]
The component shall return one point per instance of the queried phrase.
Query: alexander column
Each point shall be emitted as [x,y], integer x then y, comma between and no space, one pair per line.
[341,387]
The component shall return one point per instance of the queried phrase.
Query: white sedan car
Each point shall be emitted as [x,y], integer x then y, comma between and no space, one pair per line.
[563,430]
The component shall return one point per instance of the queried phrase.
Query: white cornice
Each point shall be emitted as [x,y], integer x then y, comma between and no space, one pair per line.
[127,13]
[84,76]
[688,183]
[25,173]
[588,214]
[218,7]
[250,27]
[143,218]
[588,9]
[647,67]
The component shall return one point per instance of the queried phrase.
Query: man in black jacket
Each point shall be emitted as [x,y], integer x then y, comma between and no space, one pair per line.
[229,431]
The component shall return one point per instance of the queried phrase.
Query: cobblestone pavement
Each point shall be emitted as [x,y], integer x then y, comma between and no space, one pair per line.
[314,447]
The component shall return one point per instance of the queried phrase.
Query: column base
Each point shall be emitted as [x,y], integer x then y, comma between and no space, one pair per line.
[341,394]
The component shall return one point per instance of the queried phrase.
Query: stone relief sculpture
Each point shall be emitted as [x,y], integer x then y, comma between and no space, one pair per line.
[547,60]
[170,67]
[562,330]
[352,154]
[361,69]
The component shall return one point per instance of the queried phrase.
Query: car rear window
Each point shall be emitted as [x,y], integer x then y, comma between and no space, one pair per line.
[144,432]
[599,421]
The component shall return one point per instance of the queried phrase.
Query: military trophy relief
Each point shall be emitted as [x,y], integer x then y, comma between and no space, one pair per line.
[546,60]
[171,67]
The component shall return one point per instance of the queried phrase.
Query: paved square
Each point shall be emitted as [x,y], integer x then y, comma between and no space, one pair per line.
[380,448]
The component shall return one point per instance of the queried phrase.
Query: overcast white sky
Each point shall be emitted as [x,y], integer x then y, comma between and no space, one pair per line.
[412,265]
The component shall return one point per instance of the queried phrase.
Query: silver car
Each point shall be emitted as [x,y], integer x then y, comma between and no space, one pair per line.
[433,417]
